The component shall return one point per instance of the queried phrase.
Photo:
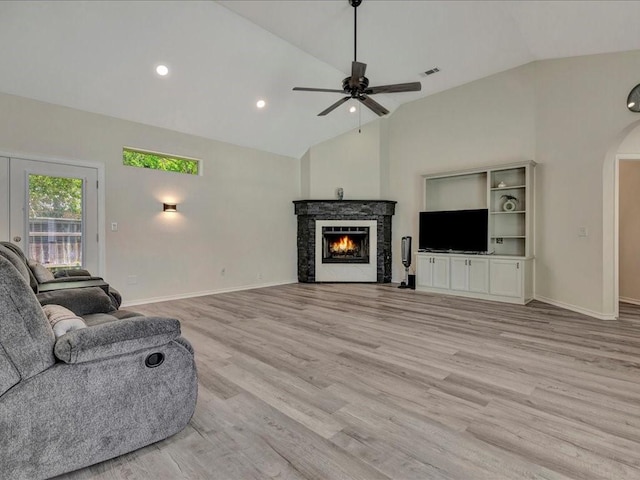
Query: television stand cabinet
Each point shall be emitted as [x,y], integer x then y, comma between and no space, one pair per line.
[488,277]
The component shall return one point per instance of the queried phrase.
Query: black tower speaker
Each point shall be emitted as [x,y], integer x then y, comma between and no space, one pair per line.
[406,260]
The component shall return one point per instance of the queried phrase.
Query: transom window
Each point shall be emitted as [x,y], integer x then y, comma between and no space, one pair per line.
[159,161]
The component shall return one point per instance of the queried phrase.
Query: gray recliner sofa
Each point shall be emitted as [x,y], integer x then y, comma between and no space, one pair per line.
[89,395]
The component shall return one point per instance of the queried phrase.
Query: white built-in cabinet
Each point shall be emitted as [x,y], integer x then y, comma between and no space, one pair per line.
[505,273]
[433,271]
[499,278]
[470,274]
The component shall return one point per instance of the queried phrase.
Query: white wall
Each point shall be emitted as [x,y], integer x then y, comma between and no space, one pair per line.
[580,112]
[351,161]
[565,114]
[486,122]
[4,199]
[238,215]
[630,230]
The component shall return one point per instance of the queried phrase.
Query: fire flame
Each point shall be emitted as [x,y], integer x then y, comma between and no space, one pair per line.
[345,244]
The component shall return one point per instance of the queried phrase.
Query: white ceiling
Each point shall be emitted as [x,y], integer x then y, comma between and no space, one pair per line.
[224,56]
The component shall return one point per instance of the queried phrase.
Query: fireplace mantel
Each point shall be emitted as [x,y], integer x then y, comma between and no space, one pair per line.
[308,211]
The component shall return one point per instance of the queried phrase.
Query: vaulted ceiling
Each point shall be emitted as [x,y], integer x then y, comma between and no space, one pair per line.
[224,56]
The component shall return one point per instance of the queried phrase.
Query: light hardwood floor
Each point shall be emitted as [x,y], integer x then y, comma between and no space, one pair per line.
[348,381]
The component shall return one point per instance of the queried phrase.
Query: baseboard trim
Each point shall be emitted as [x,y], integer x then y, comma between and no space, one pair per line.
[575,308]
[633,301]
[182,296]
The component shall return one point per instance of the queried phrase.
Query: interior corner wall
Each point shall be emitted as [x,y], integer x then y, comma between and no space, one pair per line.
[629,215]
[235,227]
[350,161]
[305,175]
[385,159]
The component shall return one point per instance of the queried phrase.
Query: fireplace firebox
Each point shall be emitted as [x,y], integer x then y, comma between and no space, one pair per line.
[345,244]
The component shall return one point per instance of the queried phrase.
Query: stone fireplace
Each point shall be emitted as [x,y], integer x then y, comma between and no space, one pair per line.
[344,240]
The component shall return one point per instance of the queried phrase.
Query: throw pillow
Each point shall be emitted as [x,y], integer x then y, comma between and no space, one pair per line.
[62,320]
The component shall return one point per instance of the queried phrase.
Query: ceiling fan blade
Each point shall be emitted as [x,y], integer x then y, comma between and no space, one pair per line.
[334,106]
[305,89]
[395,88]
[357,72]
[374,106]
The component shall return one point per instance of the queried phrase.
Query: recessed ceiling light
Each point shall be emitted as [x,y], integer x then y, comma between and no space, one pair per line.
[352,108]
[162,70]
[260,103]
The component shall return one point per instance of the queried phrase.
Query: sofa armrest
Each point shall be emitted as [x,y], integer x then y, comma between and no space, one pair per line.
[115,338]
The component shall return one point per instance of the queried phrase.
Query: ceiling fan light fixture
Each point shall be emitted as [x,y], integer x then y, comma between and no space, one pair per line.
[352,109]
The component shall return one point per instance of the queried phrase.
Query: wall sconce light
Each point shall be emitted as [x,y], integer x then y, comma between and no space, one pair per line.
[169,207]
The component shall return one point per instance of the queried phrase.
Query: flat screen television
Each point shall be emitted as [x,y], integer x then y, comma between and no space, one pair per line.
[457,230]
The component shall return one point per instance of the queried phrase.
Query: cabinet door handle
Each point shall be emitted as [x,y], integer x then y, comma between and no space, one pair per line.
[518,265]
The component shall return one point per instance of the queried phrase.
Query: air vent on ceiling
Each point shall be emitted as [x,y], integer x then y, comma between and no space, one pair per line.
[432,71]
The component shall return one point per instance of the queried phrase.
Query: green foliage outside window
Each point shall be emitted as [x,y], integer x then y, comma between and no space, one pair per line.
[155,161]
[55,197]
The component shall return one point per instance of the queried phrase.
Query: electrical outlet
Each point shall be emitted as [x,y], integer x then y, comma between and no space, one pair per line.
[132,279]
[114,226]
[259,276]
[499,241]
[583,232]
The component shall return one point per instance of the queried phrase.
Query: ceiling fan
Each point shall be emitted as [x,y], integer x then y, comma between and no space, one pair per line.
[357,85]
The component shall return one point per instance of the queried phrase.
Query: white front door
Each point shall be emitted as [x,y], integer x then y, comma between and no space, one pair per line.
[53,213]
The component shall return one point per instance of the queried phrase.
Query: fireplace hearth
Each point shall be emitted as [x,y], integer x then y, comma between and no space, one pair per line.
[344,240]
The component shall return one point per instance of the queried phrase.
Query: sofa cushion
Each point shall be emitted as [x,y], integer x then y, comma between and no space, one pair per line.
[42,273]
[62,320]
[25,334]
[19,261]
[16,261]
[81,301]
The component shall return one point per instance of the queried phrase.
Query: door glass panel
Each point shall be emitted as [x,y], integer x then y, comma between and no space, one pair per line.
[55,221]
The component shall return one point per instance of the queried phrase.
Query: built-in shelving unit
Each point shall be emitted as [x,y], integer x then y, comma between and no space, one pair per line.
[506,274]
[509,230]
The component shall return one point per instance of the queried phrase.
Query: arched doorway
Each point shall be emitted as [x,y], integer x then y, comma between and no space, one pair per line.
[626,146]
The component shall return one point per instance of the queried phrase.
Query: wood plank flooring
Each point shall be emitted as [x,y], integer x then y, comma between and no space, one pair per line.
[349,381]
